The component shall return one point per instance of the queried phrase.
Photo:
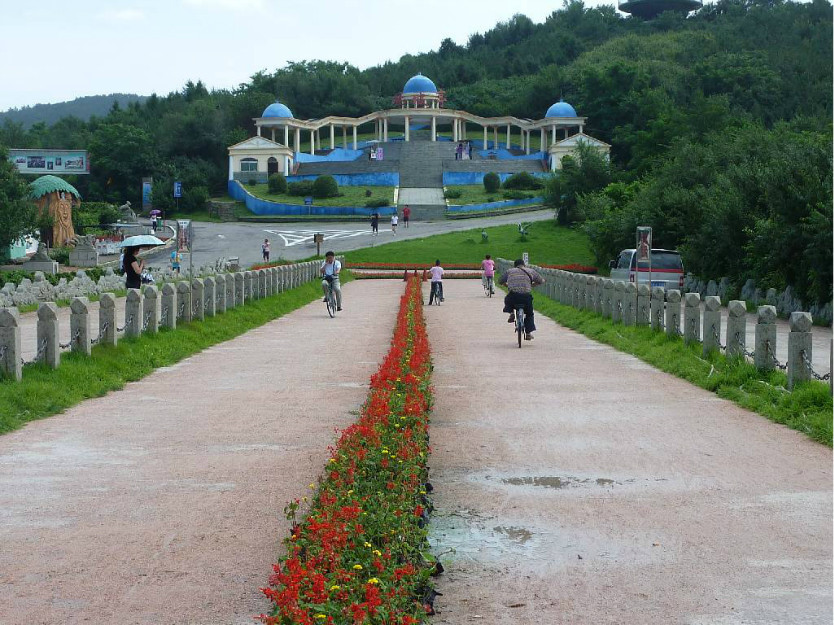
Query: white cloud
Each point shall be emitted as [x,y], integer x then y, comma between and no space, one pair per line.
[234,5]
[122,15]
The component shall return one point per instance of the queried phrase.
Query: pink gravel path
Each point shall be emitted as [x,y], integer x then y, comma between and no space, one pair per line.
[161,503]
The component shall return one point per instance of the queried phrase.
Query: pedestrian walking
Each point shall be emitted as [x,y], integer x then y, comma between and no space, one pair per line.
[265,250]
[406,215]
[374,224]
[394,219]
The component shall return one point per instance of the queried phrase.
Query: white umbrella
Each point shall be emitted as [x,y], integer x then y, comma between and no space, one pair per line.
[142,240]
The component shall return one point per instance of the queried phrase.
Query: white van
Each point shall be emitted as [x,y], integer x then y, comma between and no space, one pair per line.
[667,269]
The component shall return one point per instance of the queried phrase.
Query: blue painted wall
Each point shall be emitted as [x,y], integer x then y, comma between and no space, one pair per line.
[375,179]
[492,205]
[336,155]
[503,155]
[264,207]
[477,177]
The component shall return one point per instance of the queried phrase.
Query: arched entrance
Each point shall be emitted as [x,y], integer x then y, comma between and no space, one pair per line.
[272,166]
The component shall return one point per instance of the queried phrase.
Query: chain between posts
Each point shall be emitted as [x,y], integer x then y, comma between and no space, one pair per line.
[810,368]
[717,337]
[773,357]
[72,340]
[182,309]
[165,313]
[661,322]
[102,331]
[146,321]
[38,356]
[128,321]
[676,321]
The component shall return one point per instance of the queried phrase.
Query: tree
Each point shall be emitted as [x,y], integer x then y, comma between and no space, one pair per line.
[583,172]
[492,182]
[18,215]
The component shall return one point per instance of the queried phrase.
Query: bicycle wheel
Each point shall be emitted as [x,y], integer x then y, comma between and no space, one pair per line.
[490,288]
[519,325]
[331,305]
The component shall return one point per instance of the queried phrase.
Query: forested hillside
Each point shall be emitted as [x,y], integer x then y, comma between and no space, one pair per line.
[83,108]
[720,126]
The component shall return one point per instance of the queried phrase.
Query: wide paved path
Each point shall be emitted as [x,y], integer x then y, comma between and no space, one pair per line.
[161,503]
[579,485]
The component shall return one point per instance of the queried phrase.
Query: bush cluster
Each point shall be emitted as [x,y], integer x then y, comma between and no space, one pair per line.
[376,203]
[523,180]
[453,193]
[492,182]
[277,183]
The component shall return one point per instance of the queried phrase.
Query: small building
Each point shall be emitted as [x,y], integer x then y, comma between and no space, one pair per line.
[560,149]
[257,158]
[55,197]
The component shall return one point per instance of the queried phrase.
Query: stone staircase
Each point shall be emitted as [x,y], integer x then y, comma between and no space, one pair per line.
[421,163]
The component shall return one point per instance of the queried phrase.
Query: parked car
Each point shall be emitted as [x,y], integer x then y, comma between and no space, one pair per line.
[667,269]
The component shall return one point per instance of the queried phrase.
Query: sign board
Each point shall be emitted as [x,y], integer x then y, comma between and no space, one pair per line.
[380,154]
[177,189]
[185,235]
[147,188]
[526,258]
[644,244]
[43,162]
[308,201]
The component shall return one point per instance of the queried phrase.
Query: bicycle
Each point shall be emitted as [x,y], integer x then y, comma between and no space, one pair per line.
[436,293]
[330,297]
[519,324]
[489,286]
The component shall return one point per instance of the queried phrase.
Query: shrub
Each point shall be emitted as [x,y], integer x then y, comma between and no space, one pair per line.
[302,187]
[523,180]
[376,203]
[516,195]
[252,182]
[368,193]
[453,193]
[492,182]
[277,183]
[61,254]
[325,186]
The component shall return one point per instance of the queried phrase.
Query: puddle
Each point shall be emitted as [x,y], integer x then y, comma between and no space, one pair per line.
[516,534]
[555,482]
[478,539]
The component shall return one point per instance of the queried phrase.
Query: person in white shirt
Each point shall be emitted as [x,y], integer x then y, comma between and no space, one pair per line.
[436,282]
[394,219]
[329,270]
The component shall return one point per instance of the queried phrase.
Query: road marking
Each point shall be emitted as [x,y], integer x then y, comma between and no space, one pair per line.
[297,237]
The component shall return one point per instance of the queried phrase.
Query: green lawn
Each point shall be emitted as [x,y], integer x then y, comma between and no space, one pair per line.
[350,196]
[546,243]
[476,194]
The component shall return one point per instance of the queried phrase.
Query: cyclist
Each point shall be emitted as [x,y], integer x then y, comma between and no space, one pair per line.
[329,270]
[488,265]
[520,283]
[436,282]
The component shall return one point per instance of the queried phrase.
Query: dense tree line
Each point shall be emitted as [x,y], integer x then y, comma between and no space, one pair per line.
[719,123]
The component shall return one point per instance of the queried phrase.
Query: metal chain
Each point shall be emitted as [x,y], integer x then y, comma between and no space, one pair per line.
[101,332]
[38,356]
[165,314]
[717,337]
[773,357]
[72,340]
[809,367]
[677,323]
[182,309]
[146,321]
[128,321]
[661,322]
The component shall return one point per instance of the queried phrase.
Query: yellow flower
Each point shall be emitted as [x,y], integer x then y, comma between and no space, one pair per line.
[350,492]
[357,567]
[335,587]
[373,580]
[312,485]
[368,545]
[376,552]
[333,460]
[321,616]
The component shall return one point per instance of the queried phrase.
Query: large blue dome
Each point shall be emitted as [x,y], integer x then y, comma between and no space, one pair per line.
[419,84]
[276,109]
[561,109]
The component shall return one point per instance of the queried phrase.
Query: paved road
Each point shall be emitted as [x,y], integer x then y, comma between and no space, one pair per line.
[580,485]
[293,241]
[161,503]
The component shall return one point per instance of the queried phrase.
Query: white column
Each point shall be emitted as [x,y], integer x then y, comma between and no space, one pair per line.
[231,167]
[273,134]
[297,140]
[318,139]
[495,136]
[542,144]
[354,137]
[580,128]
[286,135]
[553,133]
[286,165]
[344,137]
[259,131]
[527,141]
[508,136]
[433,128]
[407,128]
[455,130]
[332,137]
[312,142]
[485,137]
[385,130]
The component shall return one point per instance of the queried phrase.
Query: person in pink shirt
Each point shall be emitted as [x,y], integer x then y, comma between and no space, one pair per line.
[436,282]
[488,266]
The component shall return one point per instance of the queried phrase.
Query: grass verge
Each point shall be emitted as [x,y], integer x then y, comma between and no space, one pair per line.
[348,196]
[477,194]
[808,408]
[44,392]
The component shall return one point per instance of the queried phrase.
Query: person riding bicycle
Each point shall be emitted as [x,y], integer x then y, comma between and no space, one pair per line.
[520,282]
[488,266]
[329,270]
[436,282]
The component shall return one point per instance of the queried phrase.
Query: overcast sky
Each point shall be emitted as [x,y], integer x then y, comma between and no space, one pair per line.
[58,50]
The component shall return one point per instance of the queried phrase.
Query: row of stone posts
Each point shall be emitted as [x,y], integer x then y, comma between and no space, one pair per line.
[146,311]
[668,311]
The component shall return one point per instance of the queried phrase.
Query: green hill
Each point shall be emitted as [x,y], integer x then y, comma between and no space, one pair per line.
[83,108]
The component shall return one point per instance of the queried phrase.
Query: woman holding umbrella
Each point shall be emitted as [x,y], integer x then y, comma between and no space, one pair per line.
[133,267]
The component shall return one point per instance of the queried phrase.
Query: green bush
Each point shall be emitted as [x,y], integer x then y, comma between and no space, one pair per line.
[277,183]
[516,195]
[61,254]
[252,182]
[376,203]
[492,182]
[523,180]
[453,193]
[325,186]
[302,187]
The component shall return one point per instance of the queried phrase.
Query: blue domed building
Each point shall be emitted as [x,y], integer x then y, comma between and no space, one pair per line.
[276,109]
[420,92]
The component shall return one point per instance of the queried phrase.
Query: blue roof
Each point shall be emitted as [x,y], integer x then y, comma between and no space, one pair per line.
[276,109]
[419,84]
[561,109]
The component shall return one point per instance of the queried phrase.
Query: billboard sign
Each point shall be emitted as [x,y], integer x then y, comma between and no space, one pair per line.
[147,189]
[50,161]
[177,189]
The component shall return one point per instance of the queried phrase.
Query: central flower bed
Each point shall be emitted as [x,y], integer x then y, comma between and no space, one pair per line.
[360,555]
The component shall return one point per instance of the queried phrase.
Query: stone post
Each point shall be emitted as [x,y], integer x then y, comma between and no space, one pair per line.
[274,275]
[656,308]
[133,312]
[210,294]
[150,310]
[240,291]
[282,278]
[736,328]
[643,305]
[630,304]
[691,317]
[799,348]
[10,352]
[169,306]
[80,339]
[220,279]
[599,283]
[765,353]
[673,312]
[590,293]
[107,330]
[712,324]
[198,302]
[617,305]
[247,286]
[185,311]
[607,297]
[48,346]
[230,291]
[262,281]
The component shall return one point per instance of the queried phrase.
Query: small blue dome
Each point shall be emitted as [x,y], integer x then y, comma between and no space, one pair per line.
[276,109]
[419,84]
[561,109]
